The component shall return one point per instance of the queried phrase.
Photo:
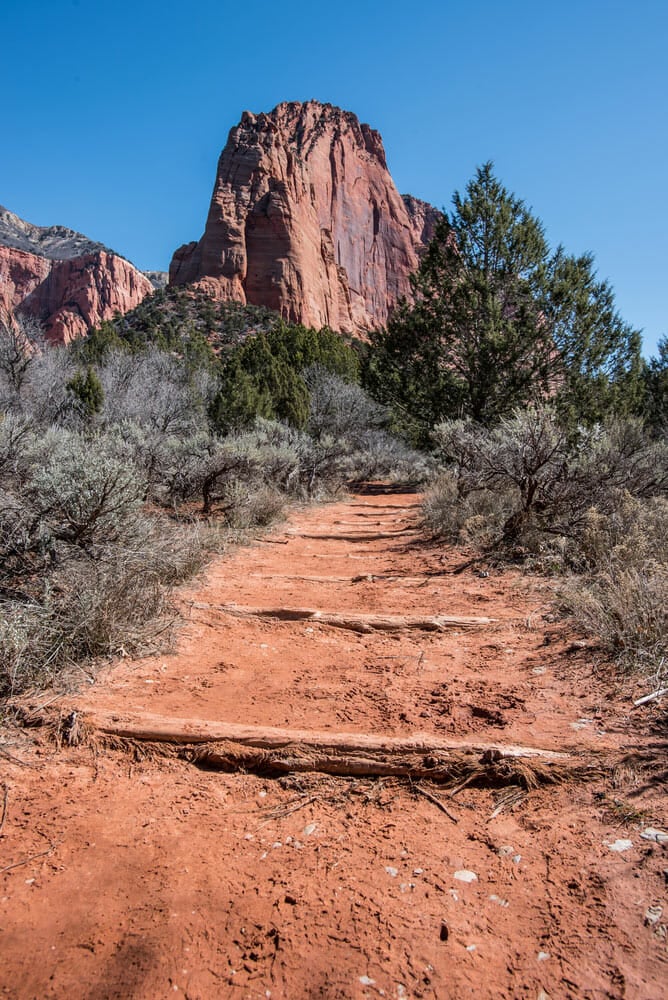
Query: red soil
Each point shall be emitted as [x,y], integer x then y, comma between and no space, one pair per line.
[152,879]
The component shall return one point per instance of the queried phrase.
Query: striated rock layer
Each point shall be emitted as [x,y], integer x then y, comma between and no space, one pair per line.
[63,279]
[305,219]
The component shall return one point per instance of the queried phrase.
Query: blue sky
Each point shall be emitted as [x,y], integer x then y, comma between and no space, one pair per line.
[114,114]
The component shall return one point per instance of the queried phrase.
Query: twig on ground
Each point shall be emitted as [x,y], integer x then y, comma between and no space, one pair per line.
[437,802]
[4,807]
[16,760]
[26,861]
[654,696]
[280,812]
[461,785]
[35,711]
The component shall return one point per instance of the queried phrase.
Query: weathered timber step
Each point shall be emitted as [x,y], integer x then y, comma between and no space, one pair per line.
[172,729]
[377,536]
[360,578]
[232,746]
[353,621]
[378,522]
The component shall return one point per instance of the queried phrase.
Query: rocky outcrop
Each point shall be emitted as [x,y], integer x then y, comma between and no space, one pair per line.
[305,219]
[424,218]
[158,279]
[63,279]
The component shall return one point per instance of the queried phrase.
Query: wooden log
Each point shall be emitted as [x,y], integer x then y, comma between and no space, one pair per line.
[299,760]
[232,746]
[351,620]
[378,536]
[159,728]
[360,578]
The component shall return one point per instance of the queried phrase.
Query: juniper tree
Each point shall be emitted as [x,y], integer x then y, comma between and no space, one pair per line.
[497,321]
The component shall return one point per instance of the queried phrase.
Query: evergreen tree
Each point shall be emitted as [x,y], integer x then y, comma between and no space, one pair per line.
[303,347]
[595,364]
[497,321]
[655,378]
[86,389]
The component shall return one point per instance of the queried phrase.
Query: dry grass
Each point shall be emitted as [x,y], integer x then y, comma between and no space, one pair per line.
[627,610]
[475,519]
[623,600]
[116,605]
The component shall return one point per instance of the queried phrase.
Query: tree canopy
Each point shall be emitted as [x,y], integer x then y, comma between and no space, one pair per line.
[498,320]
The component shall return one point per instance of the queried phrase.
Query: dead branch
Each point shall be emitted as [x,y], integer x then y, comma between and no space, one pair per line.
[4,807]
[158,728]
[269,750]
[26,861]
[437,802]
[654,696]
[378,536]
[353,621]
[361,578]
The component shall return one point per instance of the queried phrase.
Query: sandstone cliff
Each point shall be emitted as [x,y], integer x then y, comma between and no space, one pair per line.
[305,219]
[63,279]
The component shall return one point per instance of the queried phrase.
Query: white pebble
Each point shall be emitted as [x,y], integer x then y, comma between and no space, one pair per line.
[463,875]
[621,845]
[650,833]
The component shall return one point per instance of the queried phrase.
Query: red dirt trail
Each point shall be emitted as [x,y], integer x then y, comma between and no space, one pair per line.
[151,878]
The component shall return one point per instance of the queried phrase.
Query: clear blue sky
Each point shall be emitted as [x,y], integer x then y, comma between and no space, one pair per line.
[114,114]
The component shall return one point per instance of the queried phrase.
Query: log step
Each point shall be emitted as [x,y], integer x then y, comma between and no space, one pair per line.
[232,746]
[353,621]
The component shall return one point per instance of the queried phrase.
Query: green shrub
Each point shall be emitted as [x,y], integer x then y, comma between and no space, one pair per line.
[551,477]
[84,492]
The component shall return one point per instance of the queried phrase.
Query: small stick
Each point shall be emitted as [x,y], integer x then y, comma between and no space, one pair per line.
[291,807]
[654,696]
[36,711]
[4,807]
[26,861]
[437,802]
[463,784]
[17,760]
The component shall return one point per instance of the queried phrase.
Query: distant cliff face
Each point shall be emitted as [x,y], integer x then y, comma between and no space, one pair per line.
[63,279]
[305,219]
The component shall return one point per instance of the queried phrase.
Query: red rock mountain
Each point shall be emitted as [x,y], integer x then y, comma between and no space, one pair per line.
[305,219]
[63,279]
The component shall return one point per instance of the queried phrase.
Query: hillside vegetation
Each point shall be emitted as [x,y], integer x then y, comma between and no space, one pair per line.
[126,458]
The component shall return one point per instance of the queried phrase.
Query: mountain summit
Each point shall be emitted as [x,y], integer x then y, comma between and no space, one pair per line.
[305,219]
[65,280]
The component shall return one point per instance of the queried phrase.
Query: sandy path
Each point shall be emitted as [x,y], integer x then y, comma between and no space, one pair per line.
[164,880]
